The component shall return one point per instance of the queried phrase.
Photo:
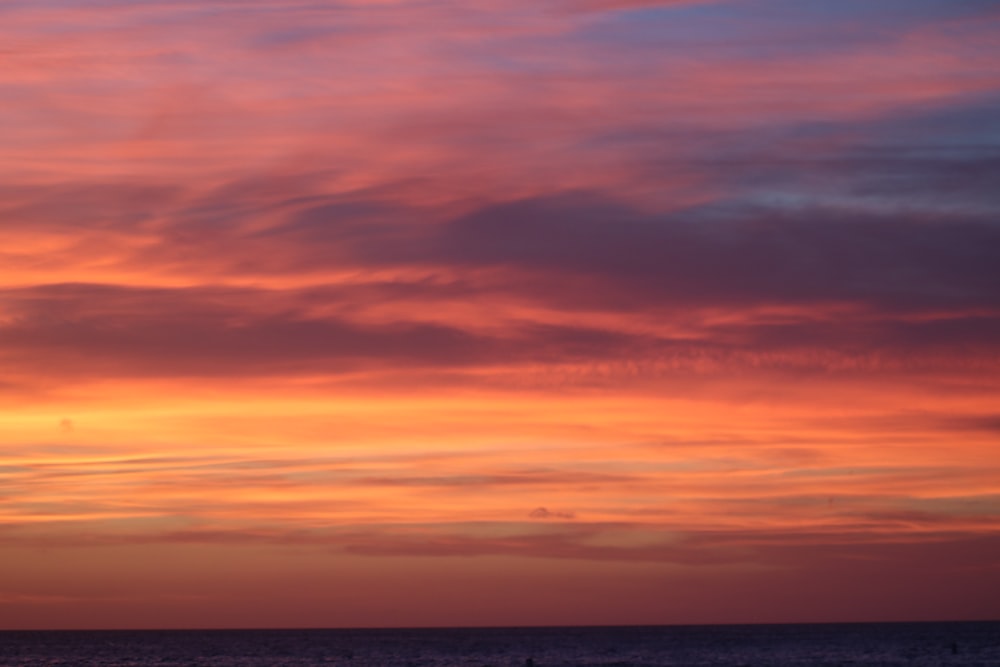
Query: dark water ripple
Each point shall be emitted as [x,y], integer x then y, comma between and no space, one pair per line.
[840,645]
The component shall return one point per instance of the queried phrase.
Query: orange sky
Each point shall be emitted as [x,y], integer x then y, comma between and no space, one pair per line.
[383,313]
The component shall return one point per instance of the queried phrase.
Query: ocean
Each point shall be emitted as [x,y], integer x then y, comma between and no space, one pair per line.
[819,645]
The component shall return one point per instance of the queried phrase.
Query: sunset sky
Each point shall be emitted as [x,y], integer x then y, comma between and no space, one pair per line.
[326,313]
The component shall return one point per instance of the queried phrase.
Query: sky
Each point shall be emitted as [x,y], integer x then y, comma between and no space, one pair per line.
[350,313]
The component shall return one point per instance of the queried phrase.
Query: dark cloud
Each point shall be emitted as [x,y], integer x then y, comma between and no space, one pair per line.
[916,165]
[198,331]
[527,478]
[797,550]
[204,331]
[927,549]
[244,331]
[832,549]
[545,513]
[557,542]
[987,423]
[710,257]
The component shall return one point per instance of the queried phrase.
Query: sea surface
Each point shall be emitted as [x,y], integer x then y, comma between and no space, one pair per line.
[821,645]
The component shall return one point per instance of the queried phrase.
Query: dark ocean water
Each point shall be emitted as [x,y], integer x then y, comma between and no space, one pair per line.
[758,645]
